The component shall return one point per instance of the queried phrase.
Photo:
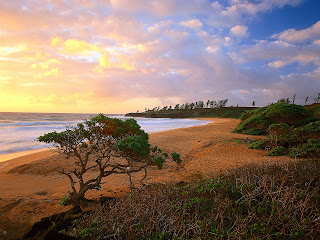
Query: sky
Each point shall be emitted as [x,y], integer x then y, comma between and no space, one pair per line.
[118,56]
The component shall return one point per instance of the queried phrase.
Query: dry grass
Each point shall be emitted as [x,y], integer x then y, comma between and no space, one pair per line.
[252,202]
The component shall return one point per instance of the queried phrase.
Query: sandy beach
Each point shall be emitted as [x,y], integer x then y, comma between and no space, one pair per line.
[31,187]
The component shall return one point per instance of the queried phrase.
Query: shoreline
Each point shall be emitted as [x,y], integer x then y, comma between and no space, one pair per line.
[31,186]
[13,156]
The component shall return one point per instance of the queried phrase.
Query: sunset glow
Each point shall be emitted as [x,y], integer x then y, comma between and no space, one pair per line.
[118,56]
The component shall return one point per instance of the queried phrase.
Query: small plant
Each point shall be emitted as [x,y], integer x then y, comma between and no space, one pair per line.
[159,162]
[65,201]
[310,149]
[176,157]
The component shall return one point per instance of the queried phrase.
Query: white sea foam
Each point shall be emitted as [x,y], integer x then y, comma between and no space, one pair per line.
[19,131]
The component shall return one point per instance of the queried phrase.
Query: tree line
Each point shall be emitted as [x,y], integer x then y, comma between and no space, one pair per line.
[192,105]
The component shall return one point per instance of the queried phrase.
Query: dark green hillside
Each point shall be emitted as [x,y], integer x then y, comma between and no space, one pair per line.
[223,112]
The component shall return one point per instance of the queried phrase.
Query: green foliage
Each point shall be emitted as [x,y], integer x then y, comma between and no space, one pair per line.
[278,151]
[311,130]
[279,129]
[136,146]
[98,144]
[176,157]
[154,149]
[310,149]
[230,112]
[257,145]
[88,232]
[65,201]
[287,113]
[246,114]
[159,162]
[257,121]
[256,124]
[308,120]
[287,125]
[315,109]
[162,236]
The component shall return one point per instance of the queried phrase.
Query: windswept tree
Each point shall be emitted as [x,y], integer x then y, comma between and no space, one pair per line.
[306,101]
[103,146]
[222,103]
[208,104]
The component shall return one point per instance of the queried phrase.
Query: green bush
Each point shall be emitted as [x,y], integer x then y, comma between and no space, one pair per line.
[136,146]
[315,110]
[257,145]
[310,149]
[311,130]
[246,114]
[159,162]
[256,124]
[308,120]
[287,113]
[176,157]
[278,151]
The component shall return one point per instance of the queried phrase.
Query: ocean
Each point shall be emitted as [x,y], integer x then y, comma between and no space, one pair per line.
[19,131]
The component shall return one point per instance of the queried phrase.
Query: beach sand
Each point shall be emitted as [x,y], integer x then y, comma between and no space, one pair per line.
[30,186]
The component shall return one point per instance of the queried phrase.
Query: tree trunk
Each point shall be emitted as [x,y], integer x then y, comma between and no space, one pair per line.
[77,198]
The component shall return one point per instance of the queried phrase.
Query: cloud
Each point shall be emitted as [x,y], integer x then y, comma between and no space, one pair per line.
[299,36]
[120,55]
[239,31]
[194,24]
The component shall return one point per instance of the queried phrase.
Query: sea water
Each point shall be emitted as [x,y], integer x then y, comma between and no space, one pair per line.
[19,131]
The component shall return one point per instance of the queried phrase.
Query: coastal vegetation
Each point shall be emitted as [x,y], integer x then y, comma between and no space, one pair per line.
[290,129]
[199,109]
[104,146]
[253,202]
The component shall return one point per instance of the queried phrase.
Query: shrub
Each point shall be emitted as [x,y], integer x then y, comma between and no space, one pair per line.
[253,202]
[256,124]
[176,157]
[279,133]
[278,151]
[310,149]
[246,114]
[287,113]
[136,146]
[311,130]
[257,145]
[308,120]
[315,110]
